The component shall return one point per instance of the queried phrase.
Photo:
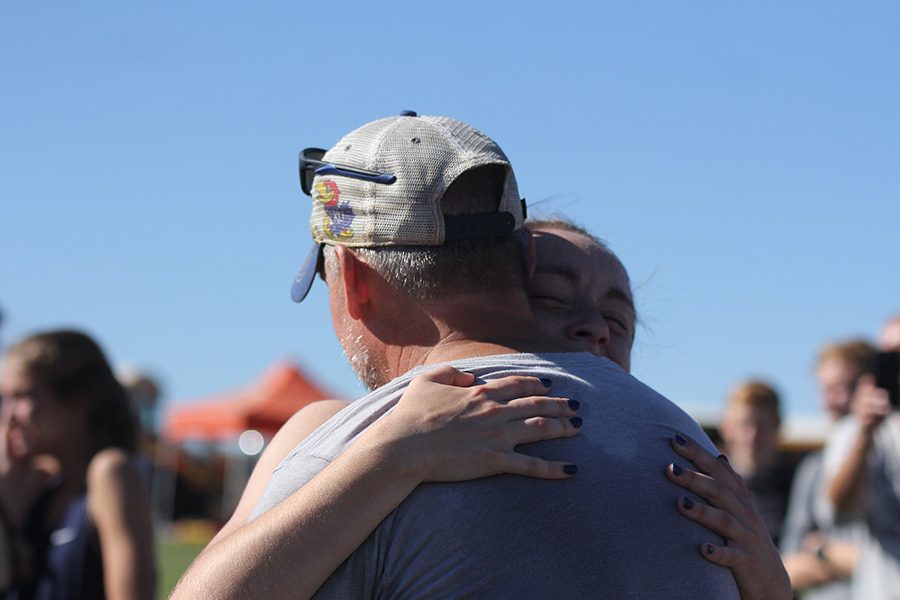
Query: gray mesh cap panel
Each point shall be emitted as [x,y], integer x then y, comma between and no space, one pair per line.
[426,154]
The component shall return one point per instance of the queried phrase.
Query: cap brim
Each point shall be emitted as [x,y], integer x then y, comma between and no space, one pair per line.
[304,280]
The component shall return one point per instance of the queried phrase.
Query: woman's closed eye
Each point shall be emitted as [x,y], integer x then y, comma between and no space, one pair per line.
[620,323]
[617,323]
[549,300]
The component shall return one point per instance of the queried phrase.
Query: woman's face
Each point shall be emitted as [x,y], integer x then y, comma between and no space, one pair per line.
[35,421]
[581,293]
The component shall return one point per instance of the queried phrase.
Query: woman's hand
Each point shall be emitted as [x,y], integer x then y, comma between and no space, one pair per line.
[748,551]
[447,429]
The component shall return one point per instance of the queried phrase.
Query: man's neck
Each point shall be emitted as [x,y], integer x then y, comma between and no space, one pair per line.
[457,347]
[475,327]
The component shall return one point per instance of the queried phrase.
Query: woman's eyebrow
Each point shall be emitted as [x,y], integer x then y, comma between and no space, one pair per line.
[561,271]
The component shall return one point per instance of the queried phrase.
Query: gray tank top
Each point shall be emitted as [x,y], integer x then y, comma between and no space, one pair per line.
[612,531]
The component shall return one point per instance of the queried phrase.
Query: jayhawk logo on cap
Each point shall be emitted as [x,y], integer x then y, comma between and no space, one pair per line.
[338,215]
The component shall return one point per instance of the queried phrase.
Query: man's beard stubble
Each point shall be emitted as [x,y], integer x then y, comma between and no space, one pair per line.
[361,360]
[358,354]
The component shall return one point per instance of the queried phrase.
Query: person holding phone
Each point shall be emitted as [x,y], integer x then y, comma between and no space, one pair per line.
[820,556]
[862,479]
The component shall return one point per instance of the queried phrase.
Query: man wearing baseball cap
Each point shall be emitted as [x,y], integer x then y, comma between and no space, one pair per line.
[417,225]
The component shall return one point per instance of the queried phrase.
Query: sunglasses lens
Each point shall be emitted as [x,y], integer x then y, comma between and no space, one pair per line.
[310,160]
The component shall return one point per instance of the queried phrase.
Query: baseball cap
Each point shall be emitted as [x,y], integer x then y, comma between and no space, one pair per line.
[382,185]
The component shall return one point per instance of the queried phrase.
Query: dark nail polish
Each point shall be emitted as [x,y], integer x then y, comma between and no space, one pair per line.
[680,440]
[676,470]
[576,422]
[546,382]
[687,503]
[723,458]
[570,469]
[574,404]
[709,549]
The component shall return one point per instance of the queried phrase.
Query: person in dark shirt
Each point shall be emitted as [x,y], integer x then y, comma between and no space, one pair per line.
[820,555]
[750,429]
[89,528]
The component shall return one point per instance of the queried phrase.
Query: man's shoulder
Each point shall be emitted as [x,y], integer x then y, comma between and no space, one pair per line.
[594,379]
[606,391]
[575,367]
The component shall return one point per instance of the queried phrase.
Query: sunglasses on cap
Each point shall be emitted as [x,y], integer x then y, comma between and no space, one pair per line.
[311,164]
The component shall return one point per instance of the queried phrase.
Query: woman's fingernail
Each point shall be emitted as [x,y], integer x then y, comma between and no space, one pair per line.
[680,440]
[676,470]
[570,469]
[576,422]
[723,458]
[709,549]
[546,382]
[687,503]
[574,404]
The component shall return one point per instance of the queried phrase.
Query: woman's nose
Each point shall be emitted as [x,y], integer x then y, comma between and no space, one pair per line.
[592,330]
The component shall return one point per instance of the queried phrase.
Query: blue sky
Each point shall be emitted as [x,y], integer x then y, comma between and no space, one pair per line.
[741,159]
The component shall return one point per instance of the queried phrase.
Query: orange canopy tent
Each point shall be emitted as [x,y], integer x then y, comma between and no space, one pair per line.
[282,391]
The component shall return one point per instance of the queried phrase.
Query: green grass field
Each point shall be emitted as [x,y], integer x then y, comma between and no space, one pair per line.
[173,559]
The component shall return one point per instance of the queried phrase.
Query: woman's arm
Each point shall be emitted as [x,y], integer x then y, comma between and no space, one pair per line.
[435,433]
[749,551]
[118,505]
[295,430]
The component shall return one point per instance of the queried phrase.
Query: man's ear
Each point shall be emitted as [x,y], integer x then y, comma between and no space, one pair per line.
[355,275]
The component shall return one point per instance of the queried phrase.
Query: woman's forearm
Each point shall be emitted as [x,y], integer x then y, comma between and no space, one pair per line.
[292,549]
